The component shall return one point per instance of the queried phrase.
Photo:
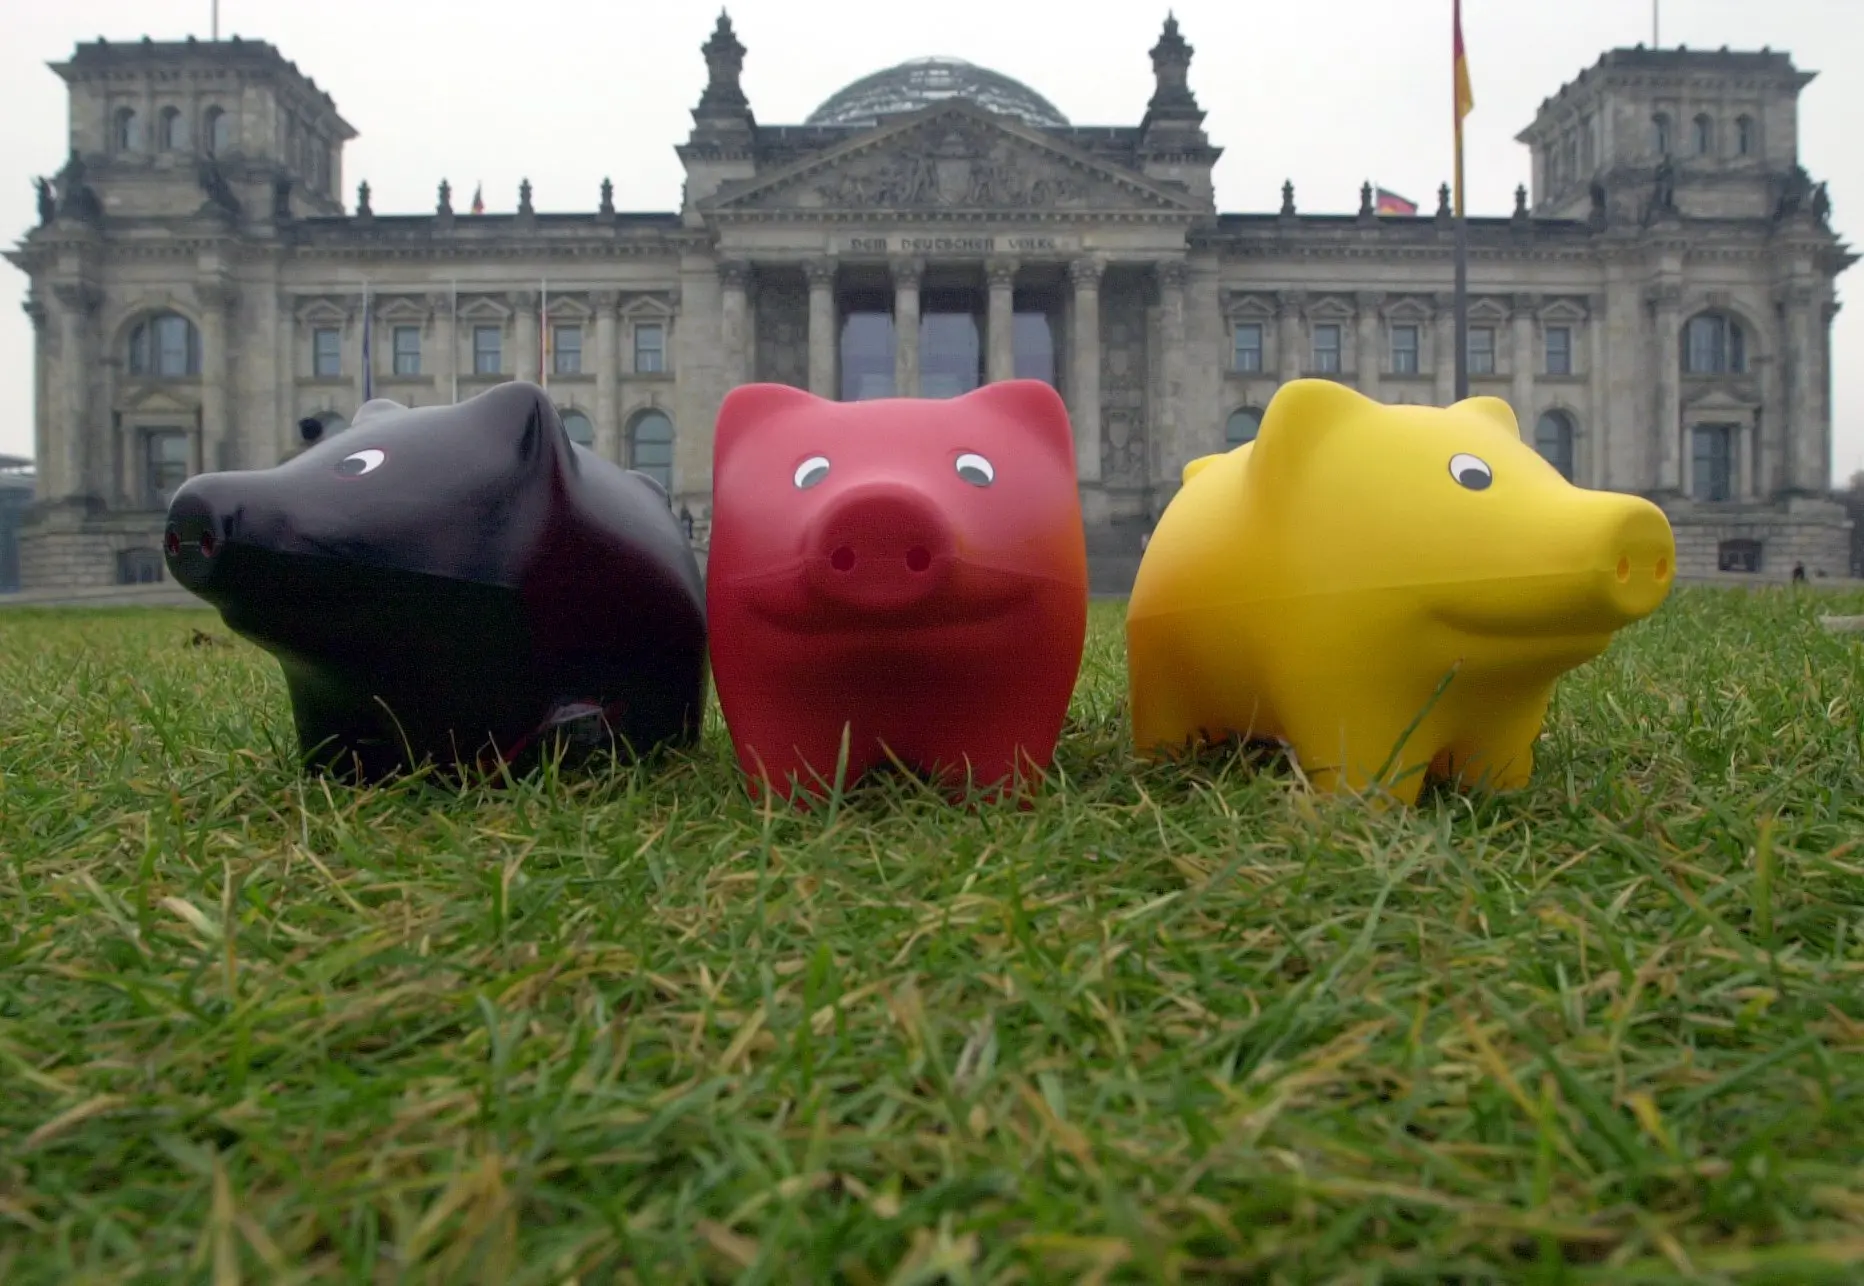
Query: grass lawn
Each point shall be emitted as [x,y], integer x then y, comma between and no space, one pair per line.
[1173,1024]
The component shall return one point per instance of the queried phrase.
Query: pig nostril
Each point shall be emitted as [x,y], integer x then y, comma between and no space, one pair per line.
[173,543]
[207,544]
[842,560]
[1624,569]
[918,559]
[1663,568]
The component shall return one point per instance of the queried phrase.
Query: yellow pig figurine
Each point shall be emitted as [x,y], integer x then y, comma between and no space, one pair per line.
[1390,590]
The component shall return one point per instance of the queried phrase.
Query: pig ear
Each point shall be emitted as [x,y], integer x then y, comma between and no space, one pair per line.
[1034,405]
[373,407]
[750,405]
[1302,414]
[1197,466]
[1493,411]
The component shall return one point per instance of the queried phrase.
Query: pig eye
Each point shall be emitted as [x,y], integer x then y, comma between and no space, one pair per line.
[811,471]
[354,466]
[976,470]
[1471,472]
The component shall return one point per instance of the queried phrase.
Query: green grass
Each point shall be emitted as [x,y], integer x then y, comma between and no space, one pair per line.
[1172,1024]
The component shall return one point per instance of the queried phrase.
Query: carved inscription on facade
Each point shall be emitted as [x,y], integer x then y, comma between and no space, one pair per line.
[1123,379]
[783,335]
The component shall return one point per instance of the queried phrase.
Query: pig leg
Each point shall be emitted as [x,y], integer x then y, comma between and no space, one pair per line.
[1501,753]
[1345,752]
[798,758]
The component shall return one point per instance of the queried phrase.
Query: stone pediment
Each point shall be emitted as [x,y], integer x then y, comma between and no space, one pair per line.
[1720,398]
[952,157]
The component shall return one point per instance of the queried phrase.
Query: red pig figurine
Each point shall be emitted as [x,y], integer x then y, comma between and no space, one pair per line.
[912,570]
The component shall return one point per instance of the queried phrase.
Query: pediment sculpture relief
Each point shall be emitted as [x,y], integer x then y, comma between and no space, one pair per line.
[957,165]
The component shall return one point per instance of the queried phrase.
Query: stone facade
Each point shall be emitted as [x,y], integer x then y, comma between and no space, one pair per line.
[1658,312]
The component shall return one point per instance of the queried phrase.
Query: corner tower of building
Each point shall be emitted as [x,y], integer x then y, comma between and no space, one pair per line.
[1720,128]
[155,124]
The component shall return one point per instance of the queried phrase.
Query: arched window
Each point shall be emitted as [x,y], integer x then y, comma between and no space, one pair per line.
[166,346]
[1241,426]
[581,431]
[128,133]
[1660,133]
[1705,136]
[1744,136]
[174,130]
[1713,345]
[139,566]
[650,447]
[214,130]
[1553,438]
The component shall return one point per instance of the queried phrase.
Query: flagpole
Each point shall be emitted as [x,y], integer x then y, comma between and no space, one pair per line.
[368,333]
[1458,77]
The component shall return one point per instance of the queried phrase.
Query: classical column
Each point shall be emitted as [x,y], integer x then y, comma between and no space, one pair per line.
[1288,304]
[527,334]
[1803,439]
[1000,323]
[1525,308]
[1667,300]
[821,274]
[444,366]
[1443,365]
[906,277]
[1172,455]
[219,447]
[1084,368]
[41,389]
[285,439]
[1597,431]
[734,277]
[607,357]
[1749,446]
[71,447]
[1369,357]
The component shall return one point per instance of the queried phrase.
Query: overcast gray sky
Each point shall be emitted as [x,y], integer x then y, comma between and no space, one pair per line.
[1328,93]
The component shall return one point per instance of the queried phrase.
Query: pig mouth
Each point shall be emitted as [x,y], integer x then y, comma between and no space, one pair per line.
[817,595]
[323,605]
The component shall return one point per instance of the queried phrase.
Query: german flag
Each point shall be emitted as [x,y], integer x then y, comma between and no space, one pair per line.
[1391,203]
[1464,95]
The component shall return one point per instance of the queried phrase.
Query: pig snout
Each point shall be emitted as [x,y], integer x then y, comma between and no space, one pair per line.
[203,516]
[1590,565]
[879,547]
[1640,551]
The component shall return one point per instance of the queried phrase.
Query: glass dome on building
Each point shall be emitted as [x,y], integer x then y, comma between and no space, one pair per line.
[921,82]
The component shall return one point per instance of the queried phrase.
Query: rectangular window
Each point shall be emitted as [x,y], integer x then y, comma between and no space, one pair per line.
[1713,477]
[326,352]
[650,348]
[486,357]
[407,350]
[164,465]
[1481,350]
[1559,350]
[1327,348]
[1247,347]
[566,351]
[1404,350]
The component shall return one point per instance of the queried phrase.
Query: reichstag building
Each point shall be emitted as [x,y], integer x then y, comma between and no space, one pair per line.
[1657,308]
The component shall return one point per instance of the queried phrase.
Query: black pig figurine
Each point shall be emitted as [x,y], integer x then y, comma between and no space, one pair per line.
[456,585]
